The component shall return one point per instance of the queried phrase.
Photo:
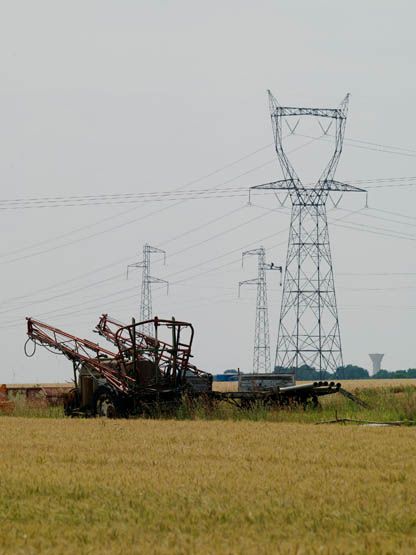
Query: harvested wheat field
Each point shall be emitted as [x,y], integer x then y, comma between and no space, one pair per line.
[146,486]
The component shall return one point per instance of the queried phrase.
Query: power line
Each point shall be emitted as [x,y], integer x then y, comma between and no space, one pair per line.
[235,261]
[169,275]
[89,273]
[377,274]
[189,183]
[351,139]
[367,146]
[122,198]
[239,193]
[406,216]
[375,230]
[121,260]
[67,234]
[163,196]
[210,238]
[66,293]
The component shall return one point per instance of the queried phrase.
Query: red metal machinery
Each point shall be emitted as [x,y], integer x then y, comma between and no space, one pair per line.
[127,338]
[143,369]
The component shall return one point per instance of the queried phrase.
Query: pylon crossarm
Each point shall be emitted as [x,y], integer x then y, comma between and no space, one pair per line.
[281,185]
[151,249]
[253,281]
[134,266]
[159,280]
[273,267]
[287,111]
[332,185]
[329,185]
[259,251]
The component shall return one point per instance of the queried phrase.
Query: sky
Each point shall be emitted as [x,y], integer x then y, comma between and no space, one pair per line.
[128,97]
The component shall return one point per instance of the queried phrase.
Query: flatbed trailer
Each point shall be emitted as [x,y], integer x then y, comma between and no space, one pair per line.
[302,394]
[149,373]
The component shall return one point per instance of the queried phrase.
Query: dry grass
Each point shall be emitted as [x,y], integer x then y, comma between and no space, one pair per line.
[225,386]
[143,486]
[396,402]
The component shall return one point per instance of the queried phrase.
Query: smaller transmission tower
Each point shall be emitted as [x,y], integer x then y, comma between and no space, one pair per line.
[145,311]
[261,354]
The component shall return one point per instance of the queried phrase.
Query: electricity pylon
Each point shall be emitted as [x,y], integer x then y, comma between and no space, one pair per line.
[261,354]
[309,332]
[145,310]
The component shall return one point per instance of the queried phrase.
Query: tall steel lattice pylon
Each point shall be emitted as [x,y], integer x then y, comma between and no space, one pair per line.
[261,354]
[146,310]
[309,332]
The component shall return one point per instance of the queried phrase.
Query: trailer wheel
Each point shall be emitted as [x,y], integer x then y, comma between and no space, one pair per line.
[105,403]
[71,402]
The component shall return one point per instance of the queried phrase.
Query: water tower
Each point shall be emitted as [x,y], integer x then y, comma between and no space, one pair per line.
[376,359]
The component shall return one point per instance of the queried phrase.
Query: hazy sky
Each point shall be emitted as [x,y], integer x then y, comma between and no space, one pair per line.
[104,97]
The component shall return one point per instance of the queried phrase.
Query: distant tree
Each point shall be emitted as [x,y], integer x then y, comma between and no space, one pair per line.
[351,372]
[383,375]
[305,373]
[348,372]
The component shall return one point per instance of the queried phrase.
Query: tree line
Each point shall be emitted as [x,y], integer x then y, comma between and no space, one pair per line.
[348,372]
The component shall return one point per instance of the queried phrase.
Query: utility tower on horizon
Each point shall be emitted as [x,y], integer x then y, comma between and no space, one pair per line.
[145,309]
[261,354]
[309,332]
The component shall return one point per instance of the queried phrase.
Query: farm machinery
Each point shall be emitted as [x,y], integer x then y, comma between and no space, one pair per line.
[144,372]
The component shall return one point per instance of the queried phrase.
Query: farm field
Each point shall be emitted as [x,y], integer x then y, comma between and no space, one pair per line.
[347,384]
[163,486]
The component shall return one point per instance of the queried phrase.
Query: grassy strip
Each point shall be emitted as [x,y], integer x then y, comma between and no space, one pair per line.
[394,403]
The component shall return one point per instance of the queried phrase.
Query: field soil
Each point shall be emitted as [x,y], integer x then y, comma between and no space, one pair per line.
[195,486]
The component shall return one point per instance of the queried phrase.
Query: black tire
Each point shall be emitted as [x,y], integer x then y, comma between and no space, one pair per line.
[71,402]
[105,403]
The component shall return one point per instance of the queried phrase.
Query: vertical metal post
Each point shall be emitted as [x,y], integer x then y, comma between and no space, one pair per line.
[75,367]
[134,354]
[174,350]
[156,350]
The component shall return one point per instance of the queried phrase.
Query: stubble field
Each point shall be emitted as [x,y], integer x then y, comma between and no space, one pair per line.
[169,486]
